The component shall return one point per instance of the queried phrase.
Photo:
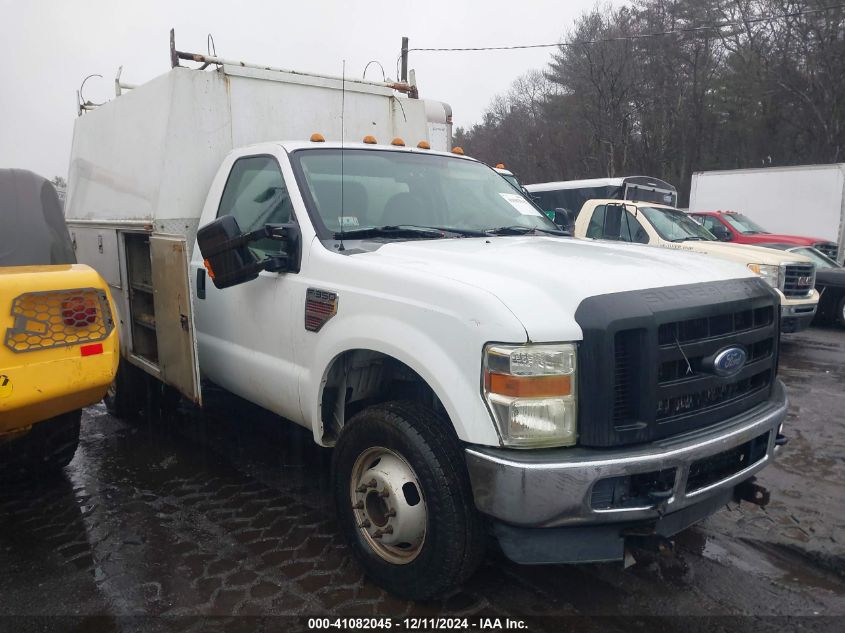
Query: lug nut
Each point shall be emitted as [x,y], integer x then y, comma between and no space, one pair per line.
[373,483]
[358,506]
[361,488]
[365,523]
[390,513]
[384,493]
[382,531]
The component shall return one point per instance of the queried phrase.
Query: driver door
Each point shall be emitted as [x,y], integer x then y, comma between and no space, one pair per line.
[244,332]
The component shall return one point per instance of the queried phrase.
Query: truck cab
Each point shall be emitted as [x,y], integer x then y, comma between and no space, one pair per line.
[731,226]
[58,351]
[791,274]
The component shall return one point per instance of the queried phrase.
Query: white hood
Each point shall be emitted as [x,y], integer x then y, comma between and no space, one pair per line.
[542,280]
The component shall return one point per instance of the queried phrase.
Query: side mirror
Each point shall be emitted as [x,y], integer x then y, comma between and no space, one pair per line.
[564,218]
[228,259]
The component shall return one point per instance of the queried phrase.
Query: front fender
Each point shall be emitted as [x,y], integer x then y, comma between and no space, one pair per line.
[451,367]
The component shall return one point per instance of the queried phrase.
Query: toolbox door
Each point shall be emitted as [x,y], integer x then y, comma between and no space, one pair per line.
[174,318]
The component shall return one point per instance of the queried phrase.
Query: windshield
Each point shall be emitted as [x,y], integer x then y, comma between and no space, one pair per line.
[744,225]
[820,259]
[408,189]
[675,226]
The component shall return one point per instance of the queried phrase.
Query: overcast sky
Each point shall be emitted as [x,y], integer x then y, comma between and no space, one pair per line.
[49,46]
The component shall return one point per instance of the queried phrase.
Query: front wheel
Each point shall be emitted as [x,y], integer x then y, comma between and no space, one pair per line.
[404,500]
[840,312]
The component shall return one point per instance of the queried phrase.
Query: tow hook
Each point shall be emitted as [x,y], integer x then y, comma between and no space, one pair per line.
[752,492]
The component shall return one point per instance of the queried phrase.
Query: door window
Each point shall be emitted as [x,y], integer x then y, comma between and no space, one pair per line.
[255,194]
[616,224]
[595,229]
[632,230]
[715,227]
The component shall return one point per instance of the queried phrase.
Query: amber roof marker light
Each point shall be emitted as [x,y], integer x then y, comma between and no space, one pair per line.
[316,137]
[369,139]
[458,150]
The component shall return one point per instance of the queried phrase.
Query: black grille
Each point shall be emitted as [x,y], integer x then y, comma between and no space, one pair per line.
[799,280]
[653,353]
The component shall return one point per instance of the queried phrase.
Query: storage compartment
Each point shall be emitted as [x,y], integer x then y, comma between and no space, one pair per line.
[141,304]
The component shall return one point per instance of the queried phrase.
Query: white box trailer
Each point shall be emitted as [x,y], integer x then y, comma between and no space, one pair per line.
[141,166]
[802,200]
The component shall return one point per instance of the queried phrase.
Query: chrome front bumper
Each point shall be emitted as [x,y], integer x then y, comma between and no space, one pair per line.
[553,487]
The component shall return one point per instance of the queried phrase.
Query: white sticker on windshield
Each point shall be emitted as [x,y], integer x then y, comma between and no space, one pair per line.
[347,221]
[520,204]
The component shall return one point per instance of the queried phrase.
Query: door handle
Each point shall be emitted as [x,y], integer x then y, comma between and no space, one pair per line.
[200,283]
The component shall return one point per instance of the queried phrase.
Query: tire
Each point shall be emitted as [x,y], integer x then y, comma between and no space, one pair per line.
[127,394]
[405,441]
[840,312]
[44,450]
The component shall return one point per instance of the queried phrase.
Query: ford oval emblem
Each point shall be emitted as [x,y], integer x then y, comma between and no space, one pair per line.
[729,361]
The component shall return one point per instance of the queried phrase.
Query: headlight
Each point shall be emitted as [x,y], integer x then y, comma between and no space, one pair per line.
[768,272]
[531,392]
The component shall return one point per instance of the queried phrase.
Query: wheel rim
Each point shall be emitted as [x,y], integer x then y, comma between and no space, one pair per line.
[388,505]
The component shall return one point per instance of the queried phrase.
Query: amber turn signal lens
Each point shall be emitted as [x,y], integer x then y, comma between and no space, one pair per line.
[528,386]
[208,267]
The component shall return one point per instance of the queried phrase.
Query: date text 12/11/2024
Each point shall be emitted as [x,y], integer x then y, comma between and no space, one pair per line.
[417,624]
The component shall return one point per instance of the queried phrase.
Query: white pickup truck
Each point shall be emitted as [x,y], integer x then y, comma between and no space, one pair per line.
[791,274]
[475,371]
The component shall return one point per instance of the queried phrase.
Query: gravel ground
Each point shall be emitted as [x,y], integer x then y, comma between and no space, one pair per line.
[223,521]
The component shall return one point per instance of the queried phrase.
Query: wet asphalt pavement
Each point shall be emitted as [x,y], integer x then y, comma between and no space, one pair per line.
[202,522]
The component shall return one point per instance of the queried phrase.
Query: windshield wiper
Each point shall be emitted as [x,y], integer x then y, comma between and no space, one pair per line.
[390,231]
[445,229]
[522,230]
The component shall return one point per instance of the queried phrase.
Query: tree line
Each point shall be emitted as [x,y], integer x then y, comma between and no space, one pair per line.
[616,100]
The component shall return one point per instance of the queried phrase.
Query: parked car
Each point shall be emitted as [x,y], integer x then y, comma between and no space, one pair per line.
[475,371]
[830,282]
[795,200]
[730,226]
[59,349]
[666,227]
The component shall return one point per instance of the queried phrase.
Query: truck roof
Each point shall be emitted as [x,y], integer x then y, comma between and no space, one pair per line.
[290,146]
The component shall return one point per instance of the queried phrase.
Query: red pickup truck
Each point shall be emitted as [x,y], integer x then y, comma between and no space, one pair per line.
[730,226]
